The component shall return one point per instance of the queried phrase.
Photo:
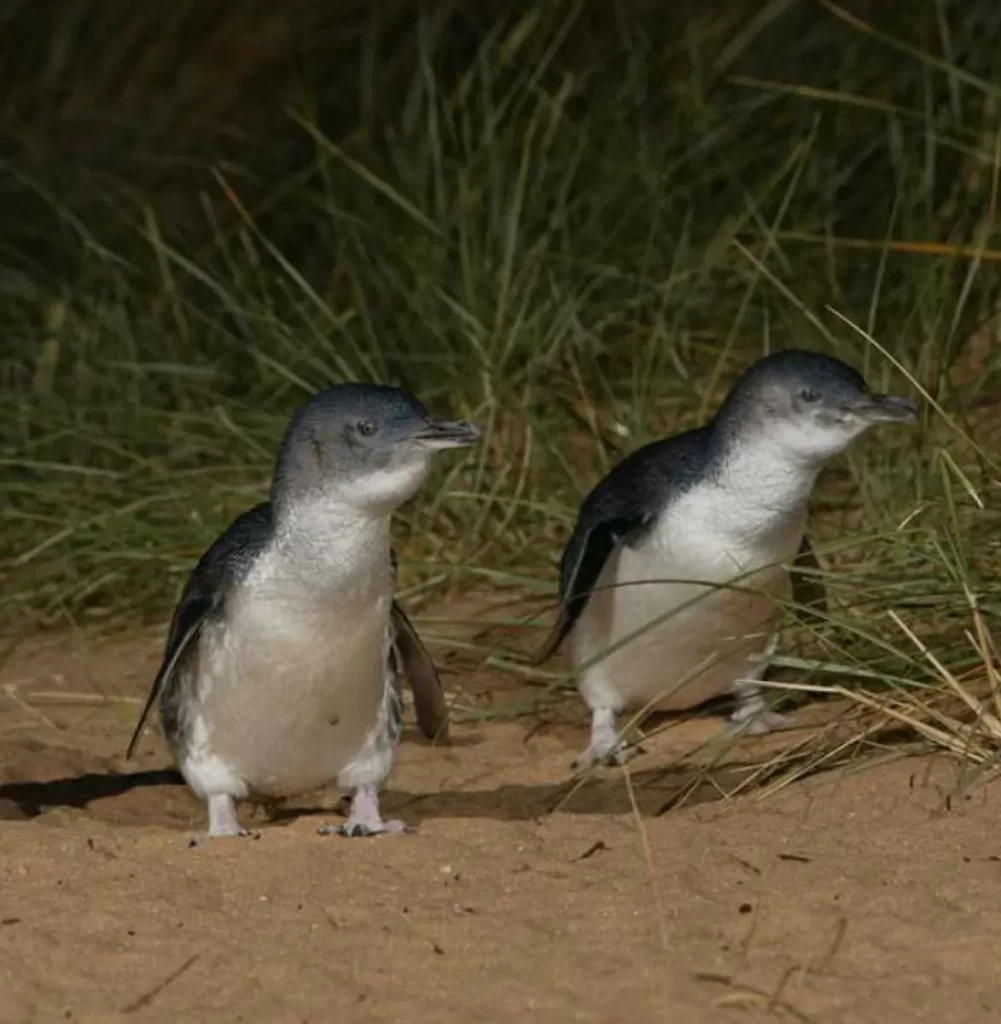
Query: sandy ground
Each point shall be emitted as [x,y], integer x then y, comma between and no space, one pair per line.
[846,898]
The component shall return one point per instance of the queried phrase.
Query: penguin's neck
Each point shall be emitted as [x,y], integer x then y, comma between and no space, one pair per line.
[759,487]
[322,539]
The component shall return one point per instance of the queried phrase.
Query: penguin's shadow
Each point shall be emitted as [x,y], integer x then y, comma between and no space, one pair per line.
[604,792]
[78,791]
[654,792]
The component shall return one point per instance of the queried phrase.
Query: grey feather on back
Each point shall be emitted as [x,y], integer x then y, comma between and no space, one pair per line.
[223,564]
[619,510]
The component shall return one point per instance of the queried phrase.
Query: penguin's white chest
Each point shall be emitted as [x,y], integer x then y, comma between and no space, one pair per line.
[704,580]
[289,687]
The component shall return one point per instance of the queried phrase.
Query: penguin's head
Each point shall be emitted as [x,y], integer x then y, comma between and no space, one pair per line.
[366,446]
[808,404]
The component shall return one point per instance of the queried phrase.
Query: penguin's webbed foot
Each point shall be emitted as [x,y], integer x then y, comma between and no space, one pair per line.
[223,822]
[752,717]
[607,747]
[197,842]
[364,819]
[618,755]
[360,829]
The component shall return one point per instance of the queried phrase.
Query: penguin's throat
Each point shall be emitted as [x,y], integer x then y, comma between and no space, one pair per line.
[756,490]
[322,538]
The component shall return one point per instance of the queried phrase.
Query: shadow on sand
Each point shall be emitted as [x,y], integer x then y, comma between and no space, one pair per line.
[655,791]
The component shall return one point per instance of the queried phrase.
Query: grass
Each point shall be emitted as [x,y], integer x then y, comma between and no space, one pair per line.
[572,226]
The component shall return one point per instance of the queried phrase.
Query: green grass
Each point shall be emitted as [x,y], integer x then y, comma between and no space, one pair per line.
[571,226]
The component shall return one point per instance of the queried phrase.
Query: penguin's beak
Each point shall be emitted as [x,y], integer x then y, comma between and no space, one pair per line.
[885,409]
[440,434]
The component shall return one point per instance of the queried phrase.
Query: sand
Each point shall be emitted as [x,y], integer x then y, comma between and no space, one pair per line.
[850,897]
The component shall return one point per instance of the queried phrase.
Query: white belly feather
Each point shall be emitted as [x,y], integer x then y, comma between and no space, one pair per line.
[713,636]
[286,692]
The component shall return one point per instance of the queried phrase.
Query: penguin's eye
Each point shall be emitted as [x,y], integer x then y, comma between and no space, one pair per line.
[366,428]
[809,395]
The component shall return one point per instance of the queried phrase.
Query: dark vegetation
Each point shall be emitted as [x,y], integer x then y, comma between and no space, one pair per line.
[573,222]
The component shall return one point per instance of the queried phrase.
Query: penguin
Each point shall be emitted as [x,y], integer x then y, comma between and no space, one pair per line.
[691,536]
[283,661]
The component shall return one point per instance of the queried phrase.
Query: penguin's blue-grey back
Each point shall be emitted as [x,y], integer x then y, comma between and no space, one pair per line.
[639,488]
[226,562]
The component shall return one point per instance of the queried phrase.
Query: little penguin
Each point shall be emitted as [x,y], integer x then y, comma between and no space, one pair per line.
[283,661]
[694,533]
